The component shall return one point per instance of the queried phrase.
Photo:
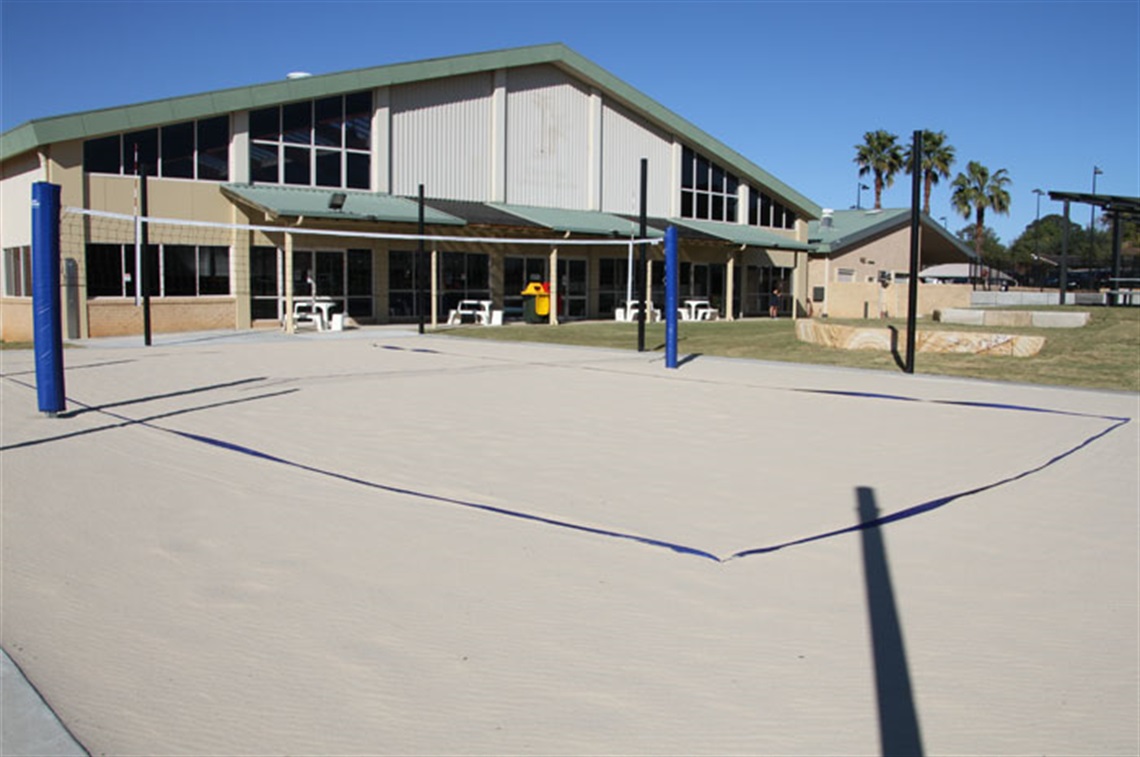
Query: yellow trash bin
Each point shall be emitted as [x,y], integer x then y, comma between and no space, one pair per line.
[536,302]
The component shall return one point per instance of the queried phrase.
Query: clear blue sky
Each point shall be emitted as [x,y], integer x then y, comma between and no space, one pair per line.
[1045,90]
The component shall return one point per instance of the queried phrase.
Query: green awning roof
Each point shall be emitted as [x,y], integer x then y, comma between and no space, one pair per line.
[294,202]
[738,233]
[577,221]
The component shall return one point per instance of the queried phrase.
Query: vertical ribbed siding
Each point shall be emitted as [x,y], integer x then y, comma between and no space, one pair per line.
[548,136]
[441,137]
[625,142]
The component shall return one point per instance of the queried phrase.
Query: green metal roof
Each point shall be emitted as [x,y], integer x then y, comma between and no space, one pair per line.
[294,202]
[738,233]
[93,123]
[852,227]
[576,221]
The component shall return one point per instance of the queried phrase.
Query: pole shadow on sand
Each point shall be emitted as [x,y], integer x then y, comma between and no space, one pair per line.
[899,733]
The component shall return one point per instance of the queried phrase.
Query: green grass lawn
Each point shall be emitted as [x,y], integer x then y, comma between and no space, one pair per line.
[1105,354]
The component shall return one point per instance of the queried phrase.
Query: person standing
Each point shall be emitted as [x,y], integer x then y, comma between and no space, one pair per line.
[774,303]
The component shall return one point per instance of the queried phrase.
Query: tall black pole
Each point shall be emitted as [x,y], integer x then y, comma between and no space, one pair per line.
[1063,283]
[915,231]
[144,259]
[641,281]
[1037,237]
[1115,299]
[1092,223]
[419,254]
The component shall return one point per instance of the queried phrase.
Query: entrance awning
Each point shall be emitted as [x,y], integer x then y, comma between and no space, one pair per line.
[745,235]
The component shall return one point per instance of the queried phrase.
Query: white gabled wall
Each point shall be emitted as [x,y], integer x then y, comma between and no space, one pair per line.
[625,141]
[529,136]
[548,139]
[441,137]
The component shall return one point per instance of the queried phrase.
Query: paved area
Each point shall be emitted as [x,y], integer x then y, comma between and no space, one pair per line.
[28,726]
[381,543]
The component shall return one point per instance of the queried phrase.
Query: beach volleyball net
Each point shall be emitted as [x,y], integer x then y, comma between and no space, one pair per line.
[183,257]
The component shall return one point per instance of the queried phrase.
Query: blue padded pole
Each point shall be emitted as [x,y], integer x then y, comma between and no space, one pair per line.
[671,282]
[46,301]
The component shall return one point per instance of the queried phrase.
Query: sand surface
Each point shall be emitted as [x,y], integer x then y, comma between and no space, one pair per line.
[382,543]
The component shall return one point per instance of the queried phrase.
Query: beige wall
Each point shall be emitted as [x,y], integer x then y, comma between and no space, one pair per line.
[16,319]
[851,300]
[18,176]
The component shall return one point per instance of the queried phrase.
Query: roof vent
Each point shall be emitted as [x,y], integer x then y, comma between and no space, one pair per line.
[298,75]
[827,217]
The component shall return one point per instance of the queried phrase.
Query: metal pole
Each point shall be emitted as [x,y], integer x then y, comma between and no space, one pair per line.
[1063,282]
[419,254]
[145,273]
[1092,223]
[1037,235]
[1115,299]
[915,234]
[641,288]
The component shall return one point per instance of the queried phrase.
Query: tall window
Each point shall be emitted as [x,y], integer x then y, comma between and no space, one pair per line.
[409,284]
[321,143]
[187,150]
[180,270]
[465,276]
[613,275]
[18,271]
[765,211]
[707,190]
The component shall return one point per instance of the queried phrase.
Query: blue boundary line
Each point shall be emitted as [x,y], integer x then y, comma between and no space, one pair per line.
[906,513]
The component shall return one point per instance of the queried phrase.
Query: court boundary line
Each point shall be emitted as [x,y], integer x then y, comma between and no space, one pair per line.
[1115,422]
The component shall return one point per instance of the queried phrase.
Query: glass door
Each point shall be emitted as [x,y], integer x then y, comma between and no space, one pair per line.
[572,288]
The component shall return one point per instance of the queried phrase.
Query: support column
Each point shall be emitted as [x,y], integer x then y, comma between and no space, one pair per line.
[647,295]
[729,286]
[382,140]
[289,325]
[594,168]
[434,287]
[498,146]
[552,318]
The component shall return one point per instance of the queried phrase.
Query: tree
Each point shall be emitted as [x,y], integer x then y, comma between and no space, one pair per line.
[977,191]
[937,157]
[1044,238]
[880,155]
[995,253]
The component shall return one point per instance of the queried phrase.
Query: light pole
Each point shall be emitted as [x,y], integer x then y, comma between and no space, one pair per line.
[1092,225]
[859,187]
[1037,234]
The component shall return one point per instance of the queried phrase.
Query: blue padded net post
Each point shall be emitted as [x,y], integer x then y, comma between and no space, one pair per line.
[46,301]
[671,281]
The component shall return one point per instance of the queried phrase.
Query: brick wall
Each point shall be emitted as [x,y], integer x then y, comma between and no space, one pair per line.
[170,314]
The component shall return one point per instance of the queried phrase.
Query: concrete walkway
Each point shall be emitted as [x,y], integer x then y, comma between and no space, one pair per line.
[28,727]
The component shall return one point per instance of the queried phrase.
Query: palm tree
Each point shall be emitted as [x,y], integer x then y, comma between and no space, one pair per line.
[937,157]
[881,155]
[976,191]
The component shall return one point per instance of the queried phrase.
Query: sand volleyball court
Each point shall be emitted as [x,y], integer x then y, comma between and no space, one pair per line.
[381,543]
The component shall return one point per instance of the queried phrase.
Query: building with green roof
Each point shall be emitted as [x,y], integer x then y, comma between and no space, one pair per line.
[287,188]
[859,263]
